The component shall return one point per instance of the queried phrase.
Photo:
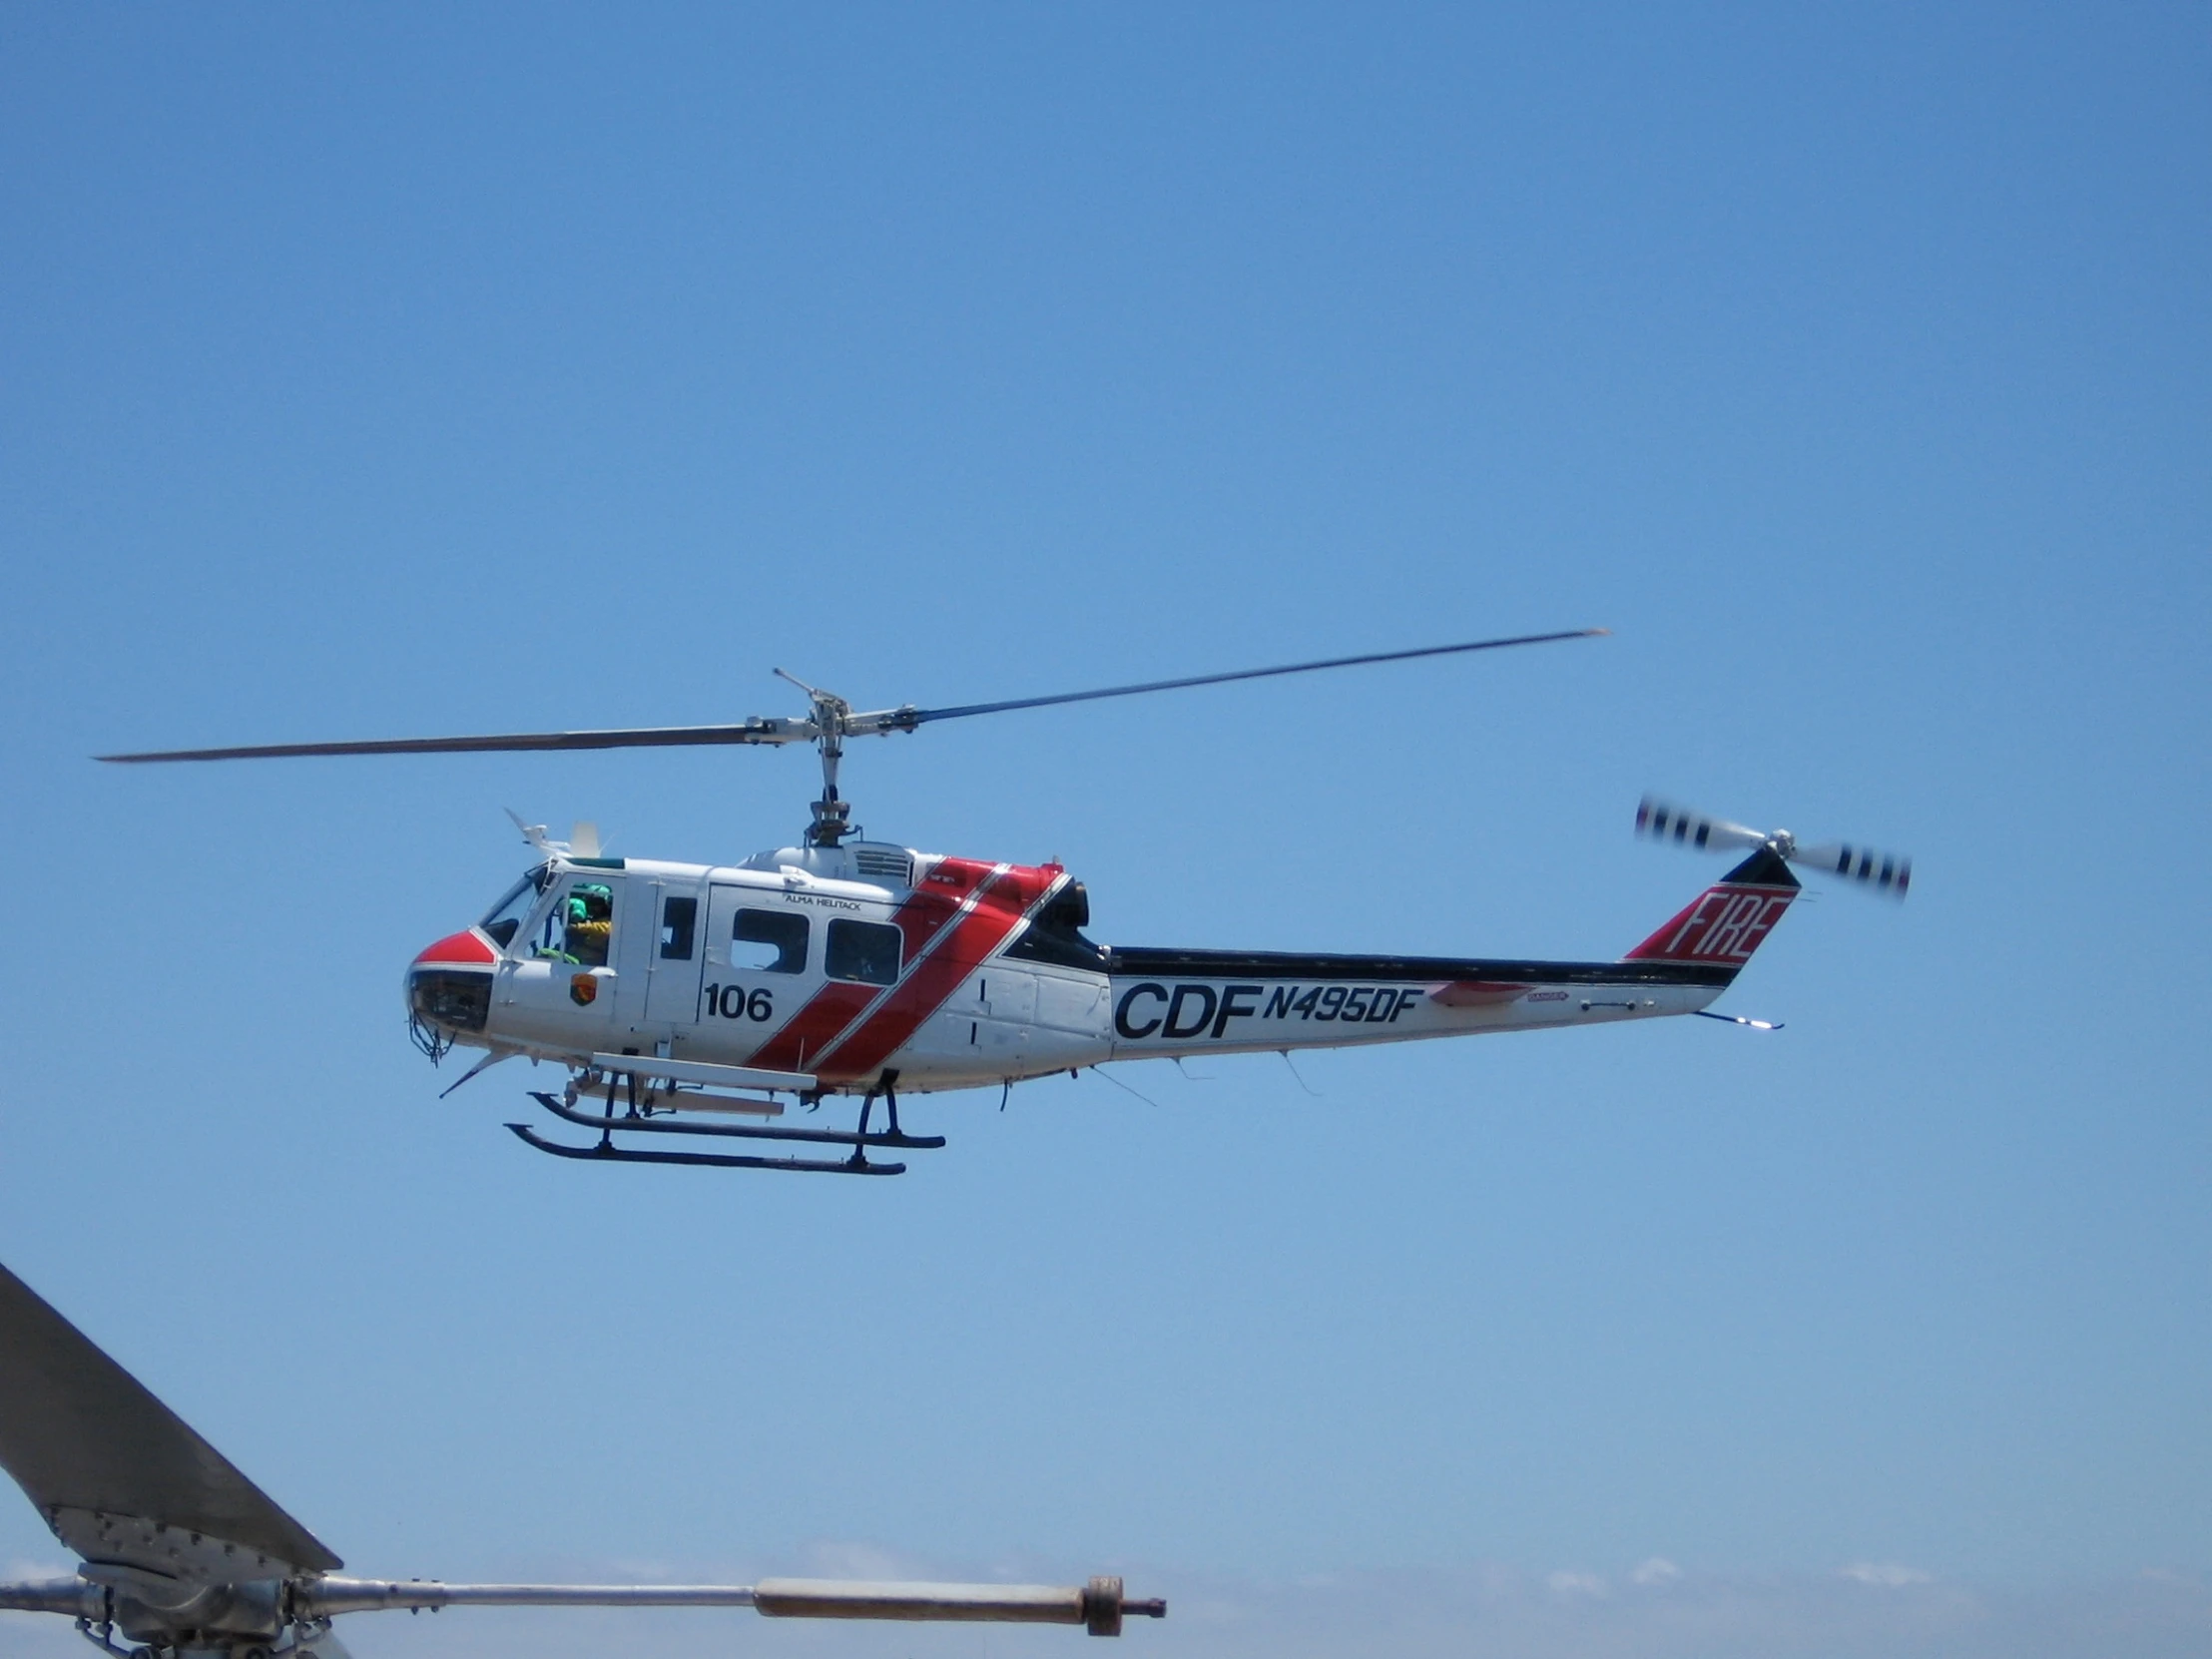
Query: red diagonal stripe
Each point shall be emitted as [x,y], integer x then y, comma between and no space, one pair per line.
[810,1036]
[938,900]
[927,986]
[933,902]
[805,1036]
[807,1033]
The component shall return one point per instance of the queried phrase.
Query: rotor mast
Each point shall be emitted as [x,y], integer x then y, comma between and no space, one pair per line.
[832,720]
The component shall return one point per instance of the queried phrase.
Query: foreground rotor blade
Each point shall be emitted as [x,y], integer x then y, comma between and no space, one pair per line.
[1889,872]
[182,1551]
[102,1458]
[72,1598]
[635,736]
[908,717]
[1101,1604]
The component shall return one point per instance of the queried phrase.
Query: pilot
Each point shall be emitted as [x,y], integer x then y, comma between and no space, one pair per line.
[589,924]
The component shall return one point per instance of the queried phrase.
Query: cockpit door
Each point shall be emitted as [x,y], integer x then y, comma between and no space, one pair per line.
[560,980]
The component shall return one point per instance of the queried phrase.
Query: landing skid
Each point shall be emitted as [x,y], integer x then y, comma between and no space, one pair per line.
[609,1124]
[608,1153]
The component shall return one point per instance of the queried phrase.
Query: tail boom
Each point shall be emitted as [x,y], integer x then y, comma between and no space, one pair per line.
[1166,1002]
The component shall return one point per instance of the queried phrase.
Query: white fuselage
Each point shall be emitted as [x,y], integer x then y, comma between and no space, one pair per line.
[844,963]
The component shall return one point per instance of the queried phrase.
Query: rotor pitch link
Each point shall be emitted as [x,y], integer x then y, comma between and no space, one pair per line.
[856,1165]
[736,1131]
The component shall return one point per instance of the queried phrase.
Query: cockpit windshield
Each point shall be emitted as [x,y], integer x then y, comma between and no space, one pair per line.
[507,917]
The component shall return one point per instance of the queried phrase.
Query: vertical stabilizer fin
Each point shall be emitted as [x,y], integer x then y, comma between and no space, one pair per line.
[1729,919]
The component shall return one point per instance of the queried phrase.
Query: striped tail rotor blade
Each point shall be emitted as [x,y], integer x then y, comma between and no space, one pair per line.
[1664,821]
[1886,872]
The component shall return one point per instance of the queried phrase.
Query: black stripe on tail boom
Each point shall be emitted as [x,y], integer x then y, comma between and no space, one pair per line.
[1157,963]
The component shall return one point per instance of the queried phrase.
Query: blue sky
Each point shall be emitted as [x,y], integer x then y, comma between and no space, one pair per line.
[424,369]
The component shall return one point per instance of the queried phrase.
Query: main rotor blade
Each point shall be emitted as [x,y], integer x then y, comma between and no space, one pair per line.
[917,716]
[80,1433]
[781,731]
[633,737]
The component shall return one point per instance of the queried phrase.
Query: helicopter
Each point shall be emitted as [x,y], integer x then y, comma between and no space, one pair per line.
[180,1554]
[680,996]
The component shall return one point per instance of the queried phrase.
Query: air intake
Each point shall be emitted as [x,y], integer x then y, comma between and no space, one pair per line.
[883,863]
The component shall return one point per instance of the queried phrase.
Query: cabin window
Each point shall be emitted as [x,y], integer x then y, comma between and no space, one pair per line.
[862,951]
[508,915]
[580,925]
[769,941]
[678,923]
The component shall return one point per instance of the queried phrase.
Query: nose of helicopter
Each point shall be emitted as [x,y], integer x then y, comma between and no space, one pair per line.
[467,948]
[450,982]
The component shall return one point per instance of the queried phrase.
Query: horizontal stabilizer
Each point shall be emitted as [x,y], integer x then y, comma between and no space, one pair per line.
[81,1434]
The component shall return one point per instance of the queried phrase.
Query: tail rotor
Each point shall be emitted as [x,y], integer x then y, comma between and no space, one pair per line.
[1656,819]
[1885,873]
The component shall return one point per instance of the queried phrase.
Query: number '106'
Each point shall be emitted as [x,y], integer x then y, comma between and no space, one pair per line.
[732,1002]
